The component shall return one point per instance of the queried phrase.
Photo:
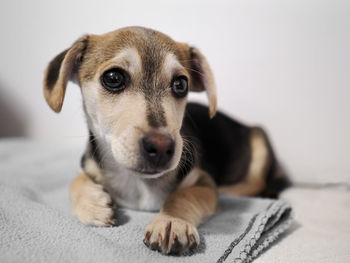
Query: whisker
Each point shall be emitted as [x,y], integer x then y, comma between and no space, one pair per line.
[194,70]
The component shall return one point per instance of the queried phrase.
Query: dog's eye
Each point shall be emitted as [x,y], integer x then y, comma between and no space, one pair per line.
[114,80]
[179,87]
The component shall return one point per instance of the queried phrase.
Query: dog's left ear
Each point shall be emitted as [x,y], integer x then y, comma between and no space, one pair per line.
[60,70]
[202,78]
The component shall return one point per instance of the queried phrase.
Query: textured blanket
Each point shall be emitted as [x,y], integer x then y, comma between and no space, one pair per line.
[36,224]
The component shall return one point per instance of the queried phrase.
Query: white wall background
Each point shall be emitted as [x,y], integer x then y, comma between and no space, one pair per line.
[284,65]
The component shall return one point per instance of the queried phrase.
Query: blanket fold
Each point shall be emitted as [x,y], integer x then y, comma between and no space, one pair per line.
[36,224]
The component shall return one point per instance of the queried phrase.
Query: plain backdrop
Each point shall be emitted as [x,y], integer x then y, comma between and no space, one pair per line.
[283,65]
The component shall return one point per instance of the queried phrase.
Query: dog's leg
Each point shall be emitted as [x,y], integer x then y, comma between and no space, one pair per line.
[255,181]
[90,204]
[247,188]
[174,229]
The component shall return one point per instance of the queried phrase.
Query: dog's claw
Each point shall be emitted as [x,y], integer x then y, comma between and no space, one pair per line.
[176,248]
[112,205]
[192,242]
[179,235]
[146,238]
[110,222]
[154,246]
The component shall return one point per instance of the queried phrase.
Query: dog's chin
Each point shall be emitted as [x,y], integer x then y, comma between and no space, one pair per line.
[150,173]
[142,171]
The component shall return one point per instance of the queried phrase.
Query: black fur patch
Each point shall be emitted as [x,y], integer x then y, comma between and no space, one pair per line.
[223,144]
[93,149]
[276,179]
[275,184]
[82,161]
[188,157]
[54,70]
[196,72]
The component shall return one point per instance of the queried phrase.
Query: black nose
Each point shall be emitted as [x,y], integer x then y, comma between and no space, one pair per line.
[157,149]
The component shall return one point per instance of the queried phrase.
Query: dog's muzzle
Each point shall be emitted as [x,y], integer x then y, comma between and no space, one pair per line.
[157,150]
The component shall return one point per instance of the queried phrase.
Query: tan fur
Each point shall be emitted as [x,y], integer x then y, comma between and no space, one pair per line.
[209,82]
[186,55]
[90,204]
[166,232]
[172,66]
[121,121]
[127,58]
[122,118]
[254,182]
[193,203]
[190,179]
[118,121]
[55,96]
[92,169]
[99,51]
[182,212]
[104,47]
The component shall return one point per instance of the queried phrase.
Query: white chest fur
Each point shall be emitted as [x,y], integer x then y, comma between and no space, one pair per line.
[129,190]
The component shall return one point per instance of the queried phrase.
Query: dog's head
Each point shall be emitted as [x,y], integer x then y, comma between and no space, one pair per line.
[134,83]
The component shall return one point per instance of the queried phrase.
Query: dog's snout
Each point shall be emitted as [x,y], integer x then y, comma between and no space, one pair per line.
[158,149]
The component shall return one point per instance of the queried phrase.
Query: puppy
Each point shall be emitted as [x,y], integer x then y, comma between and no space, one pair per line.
[148,149]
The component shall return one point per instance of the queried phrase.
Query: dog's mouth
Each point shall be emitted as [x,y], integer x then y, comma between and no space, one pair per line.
[149,173]
[156,154]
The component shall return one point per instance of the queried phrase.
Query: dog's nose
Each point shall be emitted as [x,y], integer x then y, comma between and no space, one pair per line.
[158,148]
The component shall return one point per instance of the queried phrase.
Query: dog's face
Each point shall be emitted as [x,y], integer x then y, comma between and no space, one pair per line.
[134,83]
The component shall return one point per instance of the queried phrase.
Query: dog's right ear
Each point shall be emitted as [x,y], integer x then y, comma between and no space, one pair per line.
[60,70]
[202,78]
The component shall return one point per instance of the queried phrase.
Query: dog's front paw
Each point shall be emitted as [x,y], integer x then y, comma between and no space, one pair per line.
[170,235]
[94,206]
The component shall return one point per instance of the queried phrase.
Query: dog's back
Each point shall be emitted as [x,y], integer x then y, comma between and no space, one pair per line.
[233,153]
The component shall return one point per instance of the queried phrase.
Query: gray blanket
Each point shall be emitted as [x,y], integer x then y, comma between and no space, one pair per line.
[36,224]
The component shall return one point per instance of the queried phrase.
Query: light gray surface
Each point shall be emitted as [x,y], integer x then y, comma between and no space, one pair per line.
[36,224]
[320,232]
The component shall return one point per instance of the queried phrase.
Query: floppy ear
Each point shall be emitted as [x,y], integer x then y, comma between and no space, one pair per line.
[202,78]
[60,70]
